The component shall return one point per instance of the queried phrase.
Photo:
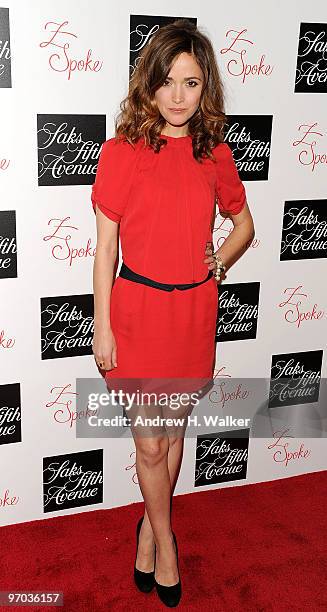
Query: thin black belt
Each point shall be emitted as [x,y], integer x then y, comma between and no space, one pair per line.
[126,272]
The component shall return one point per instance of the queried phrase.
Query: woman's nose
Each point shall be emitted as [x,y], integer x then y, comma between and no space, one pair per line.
[177,96]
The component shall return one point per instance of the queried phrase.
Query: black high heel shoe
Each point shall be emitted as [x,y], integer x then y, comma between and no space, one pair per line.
[143,580]
[170,595]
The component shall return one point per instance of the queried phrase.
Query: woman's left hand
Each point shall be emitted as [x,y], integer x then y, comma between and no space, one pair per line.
[209,259]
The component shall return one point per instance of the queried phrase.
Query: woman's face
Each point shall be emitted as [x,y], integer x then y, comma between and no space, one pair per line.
[181,90]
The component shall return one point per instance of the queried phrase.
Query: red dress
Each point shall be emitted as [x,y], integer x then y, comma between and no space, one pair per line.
[164,203]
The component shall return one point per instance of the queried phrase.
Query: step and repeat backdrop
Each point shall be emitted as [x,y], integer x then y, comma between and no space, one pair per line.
[64,68]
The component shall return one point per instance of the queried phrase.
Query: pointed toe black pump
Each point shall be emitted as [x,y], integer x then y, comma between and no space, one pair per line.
[143,580]
[170,595]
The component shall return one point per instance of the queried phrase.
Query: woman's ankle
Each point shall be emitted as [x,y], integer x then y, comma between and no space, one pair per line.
[165,541]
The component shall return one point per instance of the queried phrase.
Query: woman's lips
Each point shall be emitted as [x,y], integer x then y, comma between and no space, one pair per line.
[177,110]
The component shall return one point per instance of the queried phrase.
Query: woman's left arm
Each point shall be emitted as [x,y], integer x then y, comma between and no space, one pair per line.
[237,242]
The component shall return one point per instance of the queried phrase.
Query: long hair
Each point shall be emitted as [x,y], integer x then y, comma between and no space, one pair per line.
[139,114]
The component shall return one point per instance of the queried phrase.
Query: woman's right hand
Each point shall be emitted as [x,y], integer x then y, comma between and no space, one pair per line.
[105,348]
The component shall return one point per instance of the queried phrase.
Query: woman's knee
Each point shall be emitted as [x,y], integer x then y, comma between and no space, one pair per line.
[152,451]
[175,440]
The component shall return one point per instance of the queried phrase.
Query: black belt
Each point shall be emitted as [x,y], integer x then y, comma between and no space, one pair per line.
[126,272]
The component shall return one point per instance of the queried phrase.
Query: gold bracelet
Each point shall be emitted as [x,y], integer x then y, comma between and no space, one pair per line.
[220,266]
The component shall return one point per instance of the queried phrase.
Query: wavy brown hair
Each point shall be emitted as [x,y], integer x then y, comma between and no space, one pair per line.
[139,114]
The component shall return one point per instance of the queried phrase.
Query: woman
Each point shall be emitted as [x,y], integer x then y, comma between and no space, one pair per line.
[158,180]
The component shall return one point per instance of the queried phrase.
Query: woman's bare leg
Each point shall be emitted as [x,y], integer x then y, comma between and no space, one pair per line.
[152,446]
[146,550]
[158,462]
[175,455]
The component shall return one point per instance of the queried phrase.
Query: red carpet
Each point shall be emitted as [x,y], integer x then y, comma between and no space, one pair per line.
[258,547]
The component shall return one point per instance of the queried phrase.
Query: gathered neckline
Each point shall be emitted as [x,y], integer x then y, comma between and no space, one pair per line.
[177,141]
[173,141]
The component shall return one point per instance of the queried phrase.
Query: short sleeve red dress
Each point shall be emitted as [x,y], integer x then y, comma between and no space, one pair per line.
[164,204]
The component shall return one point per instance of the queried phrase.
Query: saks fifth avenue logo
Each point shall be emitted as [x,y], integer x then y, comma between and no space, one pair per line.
[311,66]
[67,326]
[69,148]
[237,311]
[10,414]
[8,248]
[61,241]
[304,232]
[297,307]
[286,452]
[5,54]
[221,457]
[63,404]
[57,43]
[74,480]
[308,155]
[236,53]
[295,378]
[142,28]
[249,137]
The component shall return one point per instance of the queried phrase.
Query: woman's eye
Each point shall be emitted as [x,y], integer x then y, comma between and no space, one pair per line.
[192,86]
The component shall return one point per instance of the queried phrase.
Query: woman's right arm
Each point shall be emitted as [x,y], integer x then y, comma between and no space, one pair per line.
[104,344]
